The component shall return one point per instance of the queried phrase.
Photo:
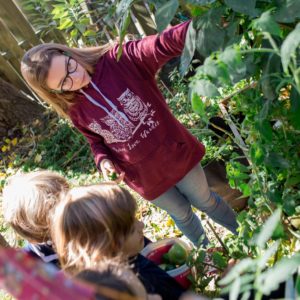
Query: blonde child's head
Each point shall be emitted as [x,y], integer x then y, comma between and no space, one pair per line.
[96,222]
[28,200]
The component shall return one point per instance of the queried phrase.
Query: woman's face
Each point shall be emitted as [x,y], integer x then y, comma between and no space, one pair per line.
[66,74]
[134,243]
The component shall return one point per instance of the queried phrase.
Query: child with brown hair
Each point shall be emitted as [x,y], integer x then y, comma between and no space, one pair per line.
[96,222]
[28,201]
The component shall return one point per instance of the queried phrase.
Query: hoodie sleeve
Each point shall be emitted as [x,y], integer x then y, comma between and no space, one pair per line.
[152,52]
[99,150]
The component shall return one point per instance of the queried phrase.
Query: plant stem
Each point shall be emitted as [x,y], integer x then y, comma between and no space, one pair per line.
[218,237]
[260,50]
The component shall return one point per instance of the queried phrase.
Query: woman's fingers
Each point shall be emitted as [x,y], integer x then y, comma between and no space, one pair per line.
[120,178]
[109,171]
[107,168]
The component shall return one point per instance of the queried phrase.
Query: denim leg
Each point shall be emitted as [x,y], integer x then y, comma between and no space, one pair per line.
[180,210]
[195,188]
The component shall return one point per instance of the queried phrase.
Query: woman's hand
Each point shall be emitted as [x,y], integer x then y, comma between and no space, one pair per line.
[109,171]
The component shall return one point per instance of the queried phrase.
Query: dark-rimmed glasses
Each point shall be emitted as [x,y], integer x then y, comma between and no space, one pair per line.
[71,67]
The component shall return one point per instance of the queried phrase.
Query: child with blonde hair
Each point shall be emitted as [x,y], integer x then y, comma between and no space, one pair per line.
[28,201]
[98,222]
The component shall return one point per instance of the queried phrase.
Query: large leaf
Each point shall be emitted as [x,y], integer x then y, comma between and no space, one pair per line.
[199,107]
[235,289]
[268,228]
[210,36]
[295,109]
[262,261]
[289,46]
[123,7]
[67,23]
[125,21]
[266,23]
[270,280]
[189,49]
[274,160]
[269,78]
[288,12]
[215,70]
[235,66]
[244,265]
[165,14]
[204,87]
[242,7]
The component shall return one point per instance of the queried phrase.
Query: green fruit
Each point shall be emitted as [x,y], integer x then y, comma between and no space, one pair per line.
[165,258]
[177,255]
[113,176]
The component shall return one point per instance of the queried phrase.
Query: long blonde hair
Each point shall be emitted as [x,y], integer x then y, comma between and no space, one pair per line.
[91,224]
[28,200]
[36,63]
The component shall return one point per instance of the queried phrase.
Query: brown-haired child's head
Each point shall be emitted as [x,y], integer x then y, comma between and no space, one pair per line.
[28,200]
[96,222]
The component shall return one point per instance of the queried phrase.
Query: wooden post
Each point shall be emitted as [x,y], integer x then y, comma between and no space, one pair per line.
[17,22]
[10,74]
[8,42]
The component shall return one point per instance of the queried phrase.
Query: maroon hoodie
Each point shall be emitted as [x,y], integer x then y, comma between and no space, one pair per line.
[125,118]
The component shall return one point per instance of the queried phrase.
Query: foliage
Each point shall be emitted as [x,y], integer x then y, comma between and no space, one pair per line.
[252,65]
[80,21]
[39,14]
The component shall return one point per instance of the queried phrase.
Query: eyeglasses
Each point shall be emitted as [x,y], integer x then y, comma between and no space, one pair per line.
[71,67]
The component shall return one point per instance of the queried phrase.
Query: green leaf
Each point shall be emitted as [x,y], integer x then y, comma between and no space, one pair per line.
[74,33]
[265,130]
[241,7]
[189,49]
[243,266]
[245,188]
[266,23]
[235,66]
[81,28]
[123,7]
[282,270]
[262,261]
[298,284]
[125,21]
[210,36]
[275,160]
[293,180]
[289,46]
[268,229]
[278,232]
[257,154]
[289,205]
[66,24]
[235,289]
[219,260]
[295,108]
[198,106]
[165,14]
[288,12]
[204,87]
[269,78]
[89,33]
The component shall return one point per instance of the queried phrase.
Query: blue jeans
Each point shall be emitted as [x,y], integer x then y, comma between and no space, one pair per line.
[190,191]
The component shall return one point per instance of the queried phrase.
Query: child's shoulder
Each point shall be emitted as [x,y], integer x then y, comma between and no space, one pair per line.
[42,251]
